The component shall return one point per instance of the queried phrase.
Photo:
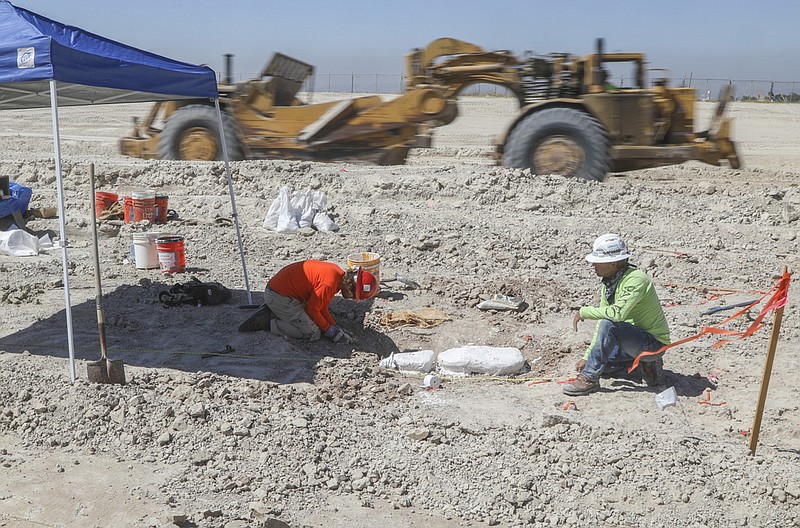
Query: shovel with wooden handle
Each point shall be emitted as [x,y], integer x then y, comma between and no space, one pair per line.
[105,370]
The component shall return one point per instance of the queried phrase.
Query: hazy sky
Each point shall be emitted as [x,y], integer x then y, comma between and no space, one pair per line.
[752,39]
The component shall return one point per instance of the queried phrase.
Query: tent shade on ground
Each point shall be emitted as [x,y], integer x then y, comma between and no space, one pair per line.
[47,63]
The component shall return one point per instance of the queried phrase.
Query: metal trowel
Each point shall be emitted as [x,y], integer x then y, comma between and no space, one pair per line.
[408,283]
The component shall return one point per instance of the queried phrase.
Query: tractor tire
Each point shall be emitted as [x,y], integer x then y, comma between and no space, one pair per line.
[192,133]
[562,141]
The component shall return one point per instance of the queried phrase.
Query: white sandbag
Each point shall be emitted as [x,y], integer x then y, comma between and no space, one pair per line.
[281,215]
[319,204]
[303,205]
[287,216]
[323,222]
[46,244]
[473,359]
[271,220]
[303,209]
[18,243]
[319,200]
[420,361]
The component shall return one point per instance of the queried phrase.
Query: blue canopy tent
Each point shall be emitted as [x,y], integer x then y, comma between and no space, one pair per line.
[46,63]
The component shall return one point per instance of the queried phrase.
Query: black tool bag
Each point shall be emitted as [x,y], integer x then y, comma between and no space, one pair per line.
[195,292]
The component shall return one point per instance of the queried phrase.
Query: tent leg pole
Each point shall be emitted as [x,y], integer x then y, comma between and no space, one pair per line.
[62,228]
[233,199]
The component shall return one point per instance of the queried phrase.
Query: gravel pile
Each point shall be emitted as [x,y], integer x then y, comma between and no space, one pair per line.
[255,450]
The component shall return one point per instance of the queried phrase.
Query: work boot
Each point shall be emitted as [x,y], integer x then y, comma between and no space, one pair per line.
[258,321]
[581,386]
[653,372]
[614,371]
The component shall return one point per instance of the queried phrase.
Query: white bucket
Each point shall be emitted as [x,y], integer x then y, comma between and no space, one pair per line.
[144,205]
[145,250]
[143,194]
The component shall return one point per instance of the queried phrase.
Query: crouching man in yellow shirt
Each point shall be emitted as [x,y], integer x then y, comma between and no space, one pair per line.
[630,320]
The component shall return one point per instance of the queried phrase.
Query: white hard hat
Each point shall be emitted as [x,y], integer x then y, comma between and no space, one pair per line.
[608,248]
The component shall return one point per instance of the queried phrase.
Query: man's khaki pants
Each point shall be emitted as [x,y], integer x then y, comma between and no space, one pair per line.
[292,320]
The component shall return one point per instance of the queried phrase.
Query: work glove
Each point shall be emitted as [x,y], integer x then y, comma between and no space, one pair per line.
[336,334]
[348,337]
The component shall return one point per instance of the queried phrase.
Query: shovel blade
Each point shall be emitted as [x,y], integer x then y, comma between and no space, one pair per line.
[97,371]
[106,371]
[116,371]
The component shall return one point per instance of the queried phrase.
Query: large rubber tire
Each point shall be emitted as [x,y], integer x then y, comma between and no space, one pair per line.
[561,141]
[192,133]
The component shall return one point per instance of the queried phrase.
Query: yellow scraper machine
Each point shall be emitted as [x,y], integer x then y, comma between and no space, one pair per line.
[571,120]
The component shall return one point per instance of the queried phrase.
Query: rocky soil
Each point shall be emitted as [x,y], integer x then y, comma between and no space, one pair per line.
[221,429]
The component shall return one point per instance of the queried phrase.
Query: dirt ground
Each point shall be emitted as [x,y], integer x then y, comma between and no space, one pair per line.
[225,429]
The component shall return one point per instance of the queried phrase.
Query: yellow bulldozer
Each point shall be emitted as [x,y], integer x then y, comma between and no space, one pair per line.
[263,118]
[572,120]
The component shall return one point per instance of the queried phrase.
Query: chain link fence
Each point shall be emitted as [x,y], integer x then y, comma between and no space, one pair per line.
[747,89]
[708,89]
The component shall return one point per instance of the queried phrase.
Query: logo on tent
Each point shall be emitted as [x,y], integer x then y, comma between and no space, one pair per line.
[25,58]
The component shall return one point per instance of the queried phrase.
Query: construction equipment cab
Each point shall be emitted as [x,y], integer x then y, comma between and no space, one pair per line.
[576,123]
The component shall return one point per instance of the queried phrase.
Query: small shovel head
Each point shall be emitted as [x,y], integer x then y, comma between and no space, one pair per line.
[106,371]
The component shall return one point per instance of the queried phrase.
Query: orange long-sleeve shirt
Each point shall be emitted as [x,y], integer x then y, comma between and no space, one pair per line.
[312,281]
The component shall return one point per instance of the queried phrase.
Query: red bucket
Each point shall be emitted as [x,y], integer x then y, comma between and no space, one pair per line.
[127,208]
[102,201]
[162,202]
[171,256]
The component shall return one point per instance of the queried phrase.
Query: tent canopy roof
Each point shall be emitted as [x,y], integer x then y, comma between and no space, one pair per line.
[88,69]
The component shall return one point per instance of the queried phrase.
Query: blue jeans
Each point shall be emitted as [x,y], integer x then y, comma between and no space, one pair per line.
[616,346]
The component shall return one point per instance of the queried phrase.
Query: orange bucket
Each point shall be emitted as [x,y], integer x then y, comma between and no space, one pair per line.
[162,202]
[102,201]
[127,208]
[171,255]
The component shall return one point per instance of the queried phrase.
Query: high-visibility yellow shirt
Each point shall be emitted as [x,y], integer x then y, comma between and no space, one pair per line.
[635,302]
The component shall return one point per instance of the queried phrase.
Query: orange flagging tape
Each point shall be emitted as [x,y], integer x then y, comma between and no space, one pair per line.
[548,380]
[779,296]
[708,401]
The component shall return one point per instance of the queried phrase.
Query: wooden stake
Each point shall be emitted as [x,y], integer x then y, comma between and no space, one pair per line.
[762,395]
